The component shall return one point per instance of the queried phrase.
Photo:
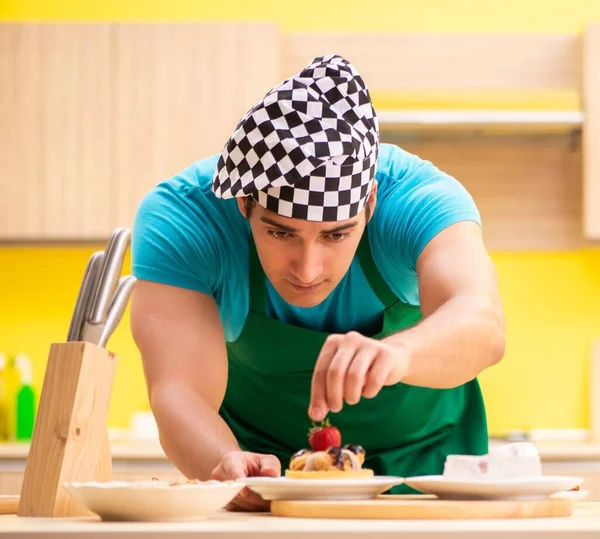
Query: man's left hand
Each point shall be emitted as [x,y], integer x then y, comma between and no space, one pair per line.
[352,366]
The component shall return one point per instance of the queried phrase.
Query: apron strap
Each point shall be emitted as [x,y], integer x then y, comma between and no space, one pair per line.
[378,285]
[258,287]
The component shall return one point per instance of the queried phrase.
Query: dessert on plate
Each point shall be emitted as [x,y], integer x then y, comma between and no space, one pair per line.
[327,458]
[519,460]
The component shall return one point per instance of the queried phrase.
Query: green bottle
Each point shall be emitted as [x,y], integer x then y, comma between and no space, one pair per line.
[25,400]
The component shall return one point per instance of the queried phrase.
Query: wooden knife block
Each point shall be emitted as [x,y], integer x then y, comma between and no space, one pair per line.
[70,439]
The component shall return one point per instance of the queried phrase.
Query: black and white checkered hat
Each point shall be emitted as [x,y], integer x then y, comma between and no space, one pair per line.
[308,149]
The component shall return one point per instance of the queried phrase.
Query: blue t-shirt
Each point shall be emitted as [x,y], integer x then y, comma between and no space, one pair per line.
[184,236]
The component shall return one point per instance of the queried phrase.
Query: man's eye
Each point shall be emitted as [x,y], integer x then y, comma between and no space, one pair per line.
[338,236]
[279,234]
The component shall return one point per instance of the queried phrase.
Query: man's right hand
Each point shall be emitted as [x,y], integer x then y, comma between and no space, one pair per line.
[240,464]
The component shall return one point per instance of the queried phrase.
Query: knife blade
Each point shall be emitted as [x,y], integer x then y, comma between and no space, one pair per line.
[86,291]
[78,302]
[114,256]
[87,305]
[117,308]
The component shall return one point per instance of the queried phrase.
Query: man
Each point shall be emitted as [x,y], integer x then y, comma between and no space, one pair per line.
[310,271]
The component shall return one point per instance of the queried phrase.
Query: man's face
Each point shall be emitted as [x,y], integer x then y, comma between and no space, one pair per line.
[305,260]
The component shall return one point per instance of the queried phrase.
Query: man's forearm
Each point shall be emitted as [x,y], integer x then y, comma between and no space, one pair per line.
[453,345]
[193,435]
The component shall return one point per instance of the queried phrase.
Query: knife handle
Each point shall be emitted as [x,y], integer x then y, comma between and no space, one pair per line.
[109,277]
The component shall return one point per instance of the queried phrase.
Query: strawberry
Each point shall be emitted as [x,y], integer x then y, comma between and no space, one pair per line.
[323,436]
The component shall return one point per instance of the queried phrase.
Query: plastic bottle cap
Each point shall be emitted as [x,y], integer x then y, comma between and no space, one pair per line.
[23,363]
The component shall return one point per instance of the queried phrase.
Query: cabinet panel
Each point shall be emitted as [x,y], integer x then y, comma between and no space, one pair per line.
[179,91]
[55,100]
[75,166]
[94,115]
[415,61]
[21,189]
[527,188]
[591,132]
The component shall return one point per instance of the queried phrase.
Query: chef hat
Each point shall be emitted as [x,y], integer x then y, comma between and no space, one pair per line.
[308,149]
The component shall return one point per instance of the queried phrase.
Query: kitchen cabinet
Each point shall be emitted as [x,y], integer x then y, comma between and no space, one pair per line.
[94,115]
[591,133]
[179,91]
[527,188]
[521,131]
[55,167]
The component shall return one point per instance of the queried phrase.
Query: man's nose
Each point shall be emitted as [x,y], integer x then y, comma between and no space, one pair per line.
[308,265]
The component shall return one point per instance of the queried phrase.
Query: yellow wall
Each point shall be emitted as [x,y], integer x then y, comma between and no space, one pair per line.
[314,15]
[39,288]
[551,299]
[551,302]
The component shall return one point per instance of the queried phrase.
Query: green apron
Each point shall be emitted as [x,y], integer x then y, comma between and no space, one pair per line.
[405,430]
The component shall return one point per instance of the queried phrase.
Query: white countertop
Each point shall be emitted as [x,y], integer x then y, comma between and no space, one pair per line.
[151,450]
[584,522]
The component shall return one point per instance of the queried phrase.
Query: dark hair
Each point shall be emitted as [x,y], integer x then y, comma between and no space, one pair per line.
[249,204]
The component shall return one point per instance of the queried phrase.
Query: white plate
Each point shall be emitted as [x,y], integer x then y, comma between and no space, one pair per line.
[573,495]
[283,488]
[154,500]
[530,488]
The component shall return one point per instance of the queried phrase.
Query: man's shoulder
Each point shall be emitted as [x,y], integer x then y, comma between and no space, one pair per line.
[187,194]
[415,201]
[406,179]
[185,212]
[395,162]
[195,176]
[184,236]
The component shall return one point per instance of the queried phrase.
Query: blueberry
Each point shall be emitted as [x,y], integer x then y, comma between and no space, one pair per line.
[356,449]
[338,456]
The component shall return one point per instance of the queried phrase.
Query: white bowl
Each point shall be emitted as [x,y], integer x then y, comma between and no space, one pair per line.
[154,500]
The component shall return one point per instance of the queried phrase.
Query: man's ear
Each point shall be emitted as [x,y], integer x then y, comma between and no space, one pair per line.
[241,202]
[372,199]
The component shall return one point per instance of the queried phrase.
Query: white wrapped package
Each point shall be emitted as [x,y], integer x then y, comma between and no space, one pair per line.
[511,461]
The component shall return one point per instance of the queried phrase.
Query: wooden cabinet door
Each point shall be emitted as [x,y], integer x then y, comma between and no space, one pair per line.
[55,167]
[179,91]
[92,116]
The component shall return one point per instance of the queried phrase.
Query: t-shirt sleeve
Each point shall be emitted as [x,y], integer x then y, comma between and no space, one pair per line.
[416,205]
[171,244]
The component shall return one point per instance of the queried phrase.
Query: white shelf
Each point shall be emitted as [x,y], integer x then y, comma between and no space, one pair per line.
[481,117]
